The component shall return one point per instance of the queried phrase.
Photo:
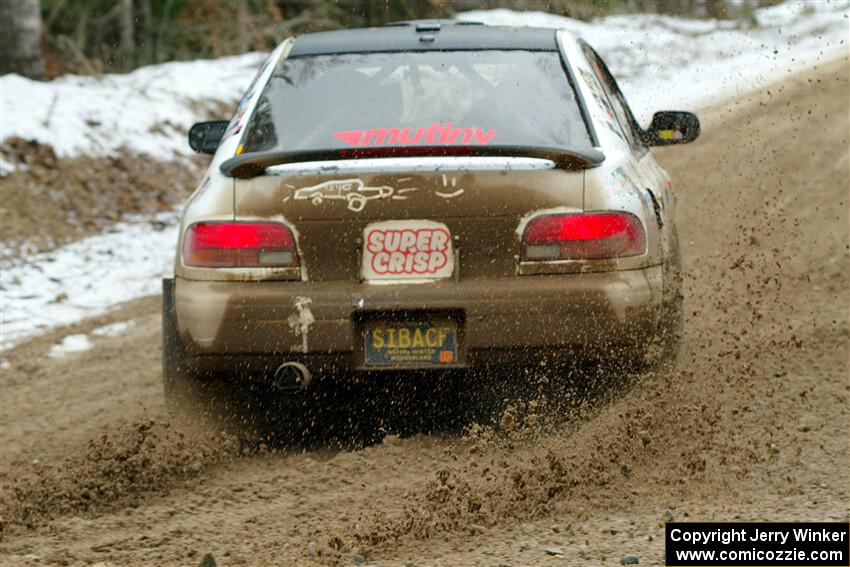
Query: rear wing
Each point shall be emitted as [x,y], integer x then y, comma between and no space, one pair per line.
[254,164]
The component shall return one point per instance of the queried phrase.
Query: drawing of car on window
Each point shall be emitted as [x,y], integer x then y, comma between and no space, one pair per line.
[353,191]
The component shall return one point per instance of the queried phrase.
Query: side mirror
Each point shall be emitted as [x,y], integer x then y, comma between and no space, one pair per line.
[204,137]
[671,127]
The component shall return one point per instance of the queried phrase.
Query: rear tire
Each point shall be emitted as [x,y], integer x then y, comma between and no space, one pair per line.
[192,398]
[180,385]
[663,347]
[672,322]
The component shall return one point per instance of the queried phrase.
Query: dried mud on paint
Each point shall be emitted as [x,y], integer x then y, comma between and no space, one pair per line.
[751,420]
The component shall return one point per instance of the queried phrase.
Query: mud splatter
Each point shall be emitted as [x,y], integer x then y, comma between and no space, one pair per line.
[117,469]
[749,424]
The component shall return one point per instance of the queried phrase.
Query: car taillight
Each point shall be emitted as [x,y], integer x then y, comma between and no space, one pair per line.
[239,245]
[583,236]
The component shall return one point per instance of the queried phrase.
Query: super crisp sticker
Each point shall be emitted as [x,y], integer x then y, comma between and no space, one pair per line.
[399,251]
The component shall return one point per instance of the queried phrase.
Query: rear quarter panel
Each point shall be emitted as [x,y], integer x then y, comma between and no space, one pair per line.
[624,181]
[212,200]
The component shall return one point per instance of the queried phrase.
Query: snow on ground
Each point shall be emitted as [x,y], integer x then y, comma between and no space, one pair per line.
[85,278]
[113,329]
[146,111]
[661,63]
[666,63]
[70,344]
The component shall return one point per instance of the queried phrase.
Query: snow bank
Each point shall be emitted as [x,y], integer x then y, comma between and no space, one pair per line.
[85,278]
[147,111]
[675,64]
[661,62]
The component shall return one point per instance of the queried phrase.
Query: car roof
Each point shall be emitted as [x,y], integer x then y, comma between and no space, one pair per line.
[425,35]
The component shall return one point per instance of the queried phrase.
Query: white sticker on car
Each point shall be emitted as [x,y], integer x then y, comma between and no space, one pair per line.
[407,251]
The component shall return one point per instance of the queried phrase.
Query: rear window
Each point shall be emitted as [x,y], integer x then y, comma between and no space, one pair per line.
[417,100]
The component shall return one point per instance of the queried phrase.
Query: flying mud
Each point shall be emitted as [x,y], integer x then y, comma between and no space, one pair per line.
[749,424]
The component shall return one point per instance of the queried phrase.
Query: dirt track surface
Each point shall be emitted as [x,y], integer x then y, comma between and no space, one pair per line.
[49,201]
[750,424]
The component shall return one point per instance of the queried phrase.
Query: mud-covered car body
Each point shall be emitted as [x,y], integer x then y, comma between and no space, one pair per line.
[438,229]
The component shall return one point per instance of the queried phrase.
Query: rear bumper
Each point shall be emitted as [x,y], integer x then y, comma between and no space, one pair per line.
[276,318]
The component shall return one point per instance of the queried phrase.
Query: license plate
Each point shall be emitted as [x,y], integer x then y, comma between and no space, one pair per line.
[422,343]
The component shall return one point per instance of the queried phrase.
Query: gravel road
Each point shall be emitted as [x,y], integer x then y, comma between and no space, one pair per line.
[751,423]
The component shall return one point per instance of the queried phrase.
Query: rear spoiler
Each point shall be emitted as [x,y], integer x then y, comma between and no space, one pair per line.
[254,164]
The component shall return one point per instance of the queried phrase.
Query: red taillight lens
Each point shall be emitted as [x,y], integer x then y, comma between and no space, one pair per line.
[583,237]
[239,245]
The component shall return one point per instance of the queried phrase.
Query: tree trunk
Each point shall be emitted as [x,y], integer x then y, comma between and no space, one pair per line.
[242,26]
[716,9]
[147,39]
[128,44]
[20,38]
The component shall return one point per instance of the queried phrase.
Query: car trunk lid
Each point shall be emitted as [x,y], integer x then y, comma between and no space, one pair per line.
[480,212]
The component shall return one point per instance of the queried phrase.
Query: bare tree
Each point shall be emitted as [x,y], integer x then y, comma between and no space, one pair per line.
[146,16]
[241,26]
[20,38]
[128,44]
[716,8]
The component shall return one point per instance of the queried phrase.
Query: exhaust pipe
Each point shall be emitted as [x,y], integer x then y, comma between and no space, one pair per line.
[292,377]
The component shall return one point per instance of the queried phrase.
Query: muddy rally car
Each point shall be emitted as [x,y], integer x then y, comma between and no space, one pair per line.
[424,196]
